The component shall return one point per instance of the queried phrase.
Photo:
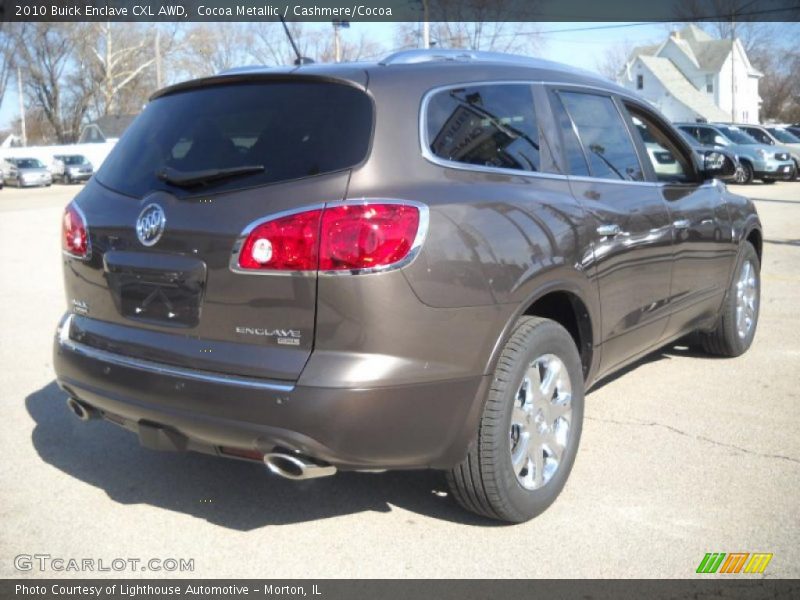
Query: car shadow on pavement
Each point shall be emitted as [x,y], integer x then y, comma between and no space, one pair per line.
[783,242]
[230,493]
[688,347]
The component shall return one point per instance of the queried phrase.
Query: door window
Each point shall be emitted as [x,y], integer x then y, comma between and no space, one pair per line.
[707,136]
[669,163]
[603,135]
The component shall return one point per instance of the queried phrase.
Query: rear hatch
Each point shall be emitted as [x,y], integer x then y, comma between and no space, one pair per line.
[171,295]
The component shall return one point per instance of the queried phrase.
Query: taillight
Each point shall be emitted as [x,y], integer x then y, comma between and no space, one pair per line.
[288,243]
[363,236]
[74,233]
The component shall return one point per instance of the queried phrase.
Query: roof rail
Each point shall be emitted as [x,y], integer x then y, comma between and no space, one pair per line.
[419,55]
[246,69]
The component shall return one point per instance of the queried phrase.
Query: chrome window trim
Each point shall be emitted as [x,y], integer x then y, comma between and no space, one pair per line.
[428,155]
[65,342]
[416,246]
[442,162]
[88,254]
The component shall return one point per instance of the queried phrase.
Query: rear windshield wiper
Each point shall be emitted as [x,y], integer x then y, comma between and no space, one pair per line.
[192,178]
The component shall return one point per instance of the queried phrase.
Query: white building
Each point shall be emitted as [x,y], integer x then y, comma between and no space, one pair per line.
[693,76]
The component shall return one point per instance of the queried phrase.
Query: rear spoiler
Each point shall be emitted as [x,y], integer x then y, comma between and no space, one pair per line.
[356,77]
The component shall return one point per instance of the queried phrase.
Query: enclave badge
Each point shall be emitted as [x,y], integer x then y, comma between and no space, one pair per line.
[150,224]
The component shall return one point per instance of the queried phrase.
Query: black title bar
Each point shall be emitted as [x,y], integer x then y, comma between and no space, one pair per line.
[399,10]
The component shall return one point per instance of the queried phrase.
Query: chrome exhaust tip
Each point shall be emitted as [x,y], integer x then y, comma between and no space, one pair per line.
[296,466]
[83,411]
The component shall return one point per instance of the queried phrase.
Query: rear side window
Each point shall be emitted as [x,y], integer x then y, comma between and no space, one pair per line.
[292,129]
[491,125]
[603,135]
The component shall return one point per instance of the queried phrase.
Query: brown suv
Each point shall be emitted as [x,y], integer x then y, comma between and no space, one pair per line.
[421,263]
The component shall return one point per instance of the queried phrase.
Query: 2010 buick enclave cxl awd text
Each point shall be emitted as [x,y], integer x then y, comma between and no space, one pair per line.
[421,263]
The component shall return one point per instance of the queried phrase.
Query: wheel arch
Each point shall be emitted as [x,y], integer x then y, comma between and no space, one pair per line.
[568,305]
[756,238]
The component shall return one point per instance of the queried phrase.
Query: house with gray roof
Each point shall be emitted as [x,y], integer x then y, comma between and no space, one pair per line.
[108,128]
[692,76]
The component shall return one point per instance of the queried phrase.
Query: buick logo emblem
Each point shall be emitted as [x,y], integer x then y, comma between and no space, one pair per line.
[150,224]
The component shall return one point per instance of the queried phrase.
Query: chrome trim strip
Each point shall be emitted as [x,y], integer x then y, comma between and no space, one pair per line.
[65,342]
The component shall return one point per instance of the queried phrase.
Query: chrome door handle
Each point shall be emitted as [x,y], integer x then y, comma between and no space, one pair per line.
[682,224]
[609,230]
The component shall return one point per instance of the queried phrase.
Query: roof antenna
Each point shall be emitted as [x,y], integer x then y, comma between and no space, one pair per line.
[300,60]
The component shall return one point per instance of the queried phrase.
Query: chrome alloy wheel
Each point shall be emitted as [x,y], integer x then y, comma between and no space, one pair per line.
[540,421]
[746,299]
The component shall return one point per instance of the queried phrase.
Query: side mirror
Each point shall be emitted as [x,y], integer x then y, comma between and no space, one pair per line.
[719,140]
[718,166]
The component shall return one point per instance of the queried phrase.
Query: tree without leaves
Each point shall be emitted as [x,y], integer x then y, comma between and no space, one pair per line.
[54,78]
[6,59]
[119,56]
[208,48]
[271,45]
[614,59]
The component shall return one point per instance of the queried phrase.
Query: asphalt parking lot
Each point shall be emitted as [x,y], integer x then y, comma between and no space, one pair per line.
[681,455]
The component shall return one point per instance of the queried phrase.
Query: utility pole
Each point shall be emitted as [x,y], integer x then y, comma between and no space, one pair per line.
[733,68]
[23,131]
[337,43]
[426,26]
[158,57]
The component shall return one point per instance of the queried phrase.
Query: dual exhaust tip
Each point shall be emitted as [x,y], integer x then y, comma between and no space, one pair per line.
[289,466]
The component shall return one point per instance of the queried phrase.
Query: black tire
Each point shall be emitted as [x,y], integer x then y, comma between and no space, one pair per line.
[68,180]
[746,175]
[485,482]
[725,339]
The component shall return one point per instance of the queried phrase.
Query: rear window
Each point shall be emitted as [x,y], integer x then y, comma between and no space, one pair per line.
[293,129]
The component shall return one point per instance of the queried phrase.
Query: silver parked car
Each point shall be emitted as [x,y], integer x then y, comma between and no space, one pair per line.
[778,137]
[26,172]
[71,168]
[759,161]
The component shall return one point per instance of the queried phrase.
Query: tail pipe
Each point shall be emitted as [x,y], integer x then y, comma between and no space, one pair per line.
[296,466]
[83,411]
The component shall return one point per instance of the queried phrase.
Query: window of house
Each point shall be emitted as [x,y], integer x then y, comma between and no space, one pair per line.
[603,135]
[639,82]
[710,84]
[491,125]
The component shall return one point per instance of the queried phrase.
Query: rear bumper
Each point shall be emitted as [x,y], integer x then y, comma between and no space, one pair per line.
[76,176]
[398,427]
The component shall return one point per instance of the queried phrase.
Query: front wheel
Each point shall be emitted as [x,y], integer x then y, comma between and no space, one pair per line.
[745,174]
[530,427]
[738,319]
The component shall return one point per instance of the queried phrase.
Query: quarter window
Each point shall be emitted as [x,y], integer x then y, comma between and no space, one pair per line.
[485,125]
[604,137]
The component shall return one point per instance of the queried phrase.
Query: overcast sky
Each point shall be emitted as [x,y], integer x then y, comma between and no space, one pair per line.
[578,44]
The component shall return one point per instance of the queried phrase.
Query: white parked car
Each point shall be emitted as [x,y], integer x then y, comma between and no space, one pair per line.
[26,172]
